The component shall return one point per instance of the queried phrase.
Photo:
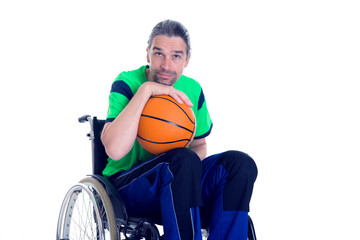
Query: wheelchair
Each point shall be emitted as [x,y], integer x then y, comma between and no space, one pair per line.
[93,209]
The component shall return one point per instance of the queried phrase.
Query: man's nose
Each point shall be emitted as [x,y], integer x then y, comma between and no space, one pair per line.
[166,63]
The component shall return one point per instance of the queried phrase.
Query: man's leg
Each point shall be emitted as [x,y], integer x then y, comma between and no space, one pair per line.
[227,185]
[168,184]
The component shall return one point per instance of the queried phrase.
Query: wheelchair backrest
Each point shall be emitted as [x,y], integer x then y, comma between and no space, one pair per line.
[99,156]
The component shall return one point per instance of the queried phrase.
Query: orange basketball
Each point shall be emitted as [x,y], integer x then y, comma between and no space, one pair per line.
[165,124]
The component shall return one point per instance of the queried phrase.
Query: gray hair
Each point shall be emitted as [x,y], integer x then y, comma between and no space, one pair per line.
[171,28]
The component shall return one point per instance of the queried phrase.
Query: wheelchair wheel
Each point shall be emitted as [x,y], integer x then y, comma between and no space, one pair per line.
[87,213]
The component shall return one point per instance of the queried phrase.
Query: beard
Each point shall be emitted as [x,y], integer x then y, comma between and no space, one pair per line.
[170,81]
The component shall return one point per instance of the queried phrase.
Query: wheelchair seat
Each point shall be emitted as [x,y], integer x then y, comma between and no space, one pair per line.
[105,215]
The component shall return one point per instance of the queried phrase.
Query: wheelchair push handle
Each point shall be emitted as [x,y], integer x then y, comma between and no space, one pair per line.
[85,118]
[88,118]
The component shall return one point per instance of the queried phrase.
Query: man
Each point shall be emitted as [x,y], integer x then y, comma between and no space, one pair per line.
[181,188]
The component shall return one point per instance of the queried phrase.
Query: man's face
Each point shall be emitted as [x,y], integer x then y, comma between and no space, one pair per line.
[167,59]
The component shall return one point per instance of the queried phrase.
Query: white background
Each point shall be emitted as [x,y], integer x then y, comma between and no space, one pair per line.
[280,79]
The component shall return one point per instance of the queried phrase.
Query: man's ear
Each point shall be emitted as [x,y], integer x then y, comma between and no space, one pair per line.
[147,55]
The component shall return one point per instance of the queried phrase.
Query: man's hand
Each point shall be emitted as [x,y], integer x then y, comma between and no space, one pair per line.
[156,89]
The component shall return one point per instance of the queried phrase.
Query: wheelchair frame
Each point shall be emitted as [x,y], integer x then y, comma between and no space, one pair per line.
[104,220]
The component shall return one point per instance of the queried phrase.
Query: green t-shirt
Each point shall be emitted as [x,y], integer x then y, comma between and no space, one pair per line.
[123,89]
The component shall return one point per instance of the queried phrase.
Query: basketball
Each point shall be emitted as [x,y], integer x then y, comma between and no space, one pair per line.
[165,124]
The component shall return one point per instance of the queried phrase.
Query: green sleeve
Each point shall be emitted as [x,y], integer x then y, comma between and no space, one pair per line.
[117,103]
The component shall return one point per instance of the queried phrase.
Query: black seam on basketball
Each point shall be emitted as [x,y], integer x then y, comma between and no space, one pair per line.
[176,105]
[193,132]
[160,119]
[162,142]
[187,142]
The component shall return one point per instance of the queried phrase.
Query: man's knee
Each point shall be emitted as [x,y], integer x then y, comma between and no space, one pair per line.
[237,162]
[184,159]
[242,173]
[186,169]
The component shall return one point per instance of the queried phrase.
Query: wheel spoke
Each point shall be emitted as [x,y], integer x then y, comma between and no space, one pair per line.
[84,214]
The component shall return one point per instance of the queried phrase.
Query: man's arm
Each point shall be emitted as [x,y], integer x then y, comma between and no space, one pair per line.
[199,147]
[119,136]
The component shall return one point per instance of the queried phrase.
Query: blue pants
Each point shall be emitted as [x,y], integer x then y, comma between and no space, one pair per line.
[184,194]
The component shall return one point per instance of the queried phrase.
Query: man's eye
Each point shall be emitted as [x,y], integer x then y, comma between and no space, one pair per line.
[177,56]
[158,54]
